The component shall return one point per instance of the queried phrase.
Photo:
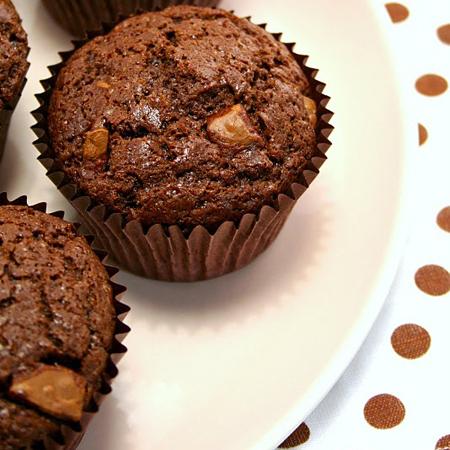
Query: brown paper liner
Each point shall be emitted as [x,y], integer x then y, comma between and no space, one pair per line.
[79,16]
[71,436]
[165,253]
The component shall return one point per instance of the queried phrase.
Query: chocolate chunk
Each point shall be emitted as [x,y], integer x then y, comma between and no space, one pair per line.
[103,84]
[54,390]
[232,127]
[95,143]
[311,107]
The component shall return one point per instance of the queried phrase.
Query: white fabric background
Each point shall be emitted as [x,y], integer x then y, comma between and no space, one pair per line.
[423,384]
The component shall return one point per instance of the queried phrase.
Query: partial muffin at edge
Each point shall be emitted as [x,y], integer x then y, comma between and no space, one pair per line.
[79,16]
[13,53]
[57,326]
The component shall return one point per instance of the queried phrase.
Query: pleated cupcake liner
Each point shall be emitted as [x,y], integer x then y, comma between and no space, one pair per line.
[71,435]
[166,252]
[79,16]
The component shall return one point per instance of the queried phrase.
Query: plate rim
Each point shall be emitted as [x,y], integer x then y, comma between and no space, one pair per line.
[355,339]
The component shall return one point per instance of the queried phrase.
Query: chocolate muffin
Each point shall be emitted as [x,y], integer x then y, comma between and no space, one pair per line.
[13,63]
[79,16]
[57,327]
[186,118]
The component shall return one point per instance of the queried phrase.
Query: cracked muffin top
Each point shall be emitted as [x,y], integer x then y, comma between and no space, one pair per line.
[57,323]
[188,116]
[13,53]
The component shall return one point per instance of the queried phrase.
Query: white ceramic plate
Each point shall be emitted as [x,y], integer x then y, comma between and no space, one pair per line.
[236,363]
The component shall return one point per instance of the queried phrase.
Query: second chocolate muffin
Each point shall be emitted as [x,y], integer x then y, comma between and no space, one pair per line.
[79,16]
[57,330]
[189,116]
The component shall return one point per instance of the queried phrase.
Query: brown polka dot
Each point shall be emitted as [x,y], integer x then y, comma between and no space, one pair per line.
[397,12]
[443,33]
[431,84]
[443,219]
[384,411]
[298,437]
[433,280]
[423,134]
[410,341]
[443,443]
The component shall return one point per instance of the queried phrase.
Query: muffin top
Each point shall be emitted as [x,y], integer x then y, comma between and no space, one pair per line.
[13,53]
[57,323]
[186,116]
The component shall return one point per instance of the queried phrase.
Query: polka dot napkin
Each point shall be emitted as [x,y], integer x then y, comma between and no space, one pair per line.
[396,393]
